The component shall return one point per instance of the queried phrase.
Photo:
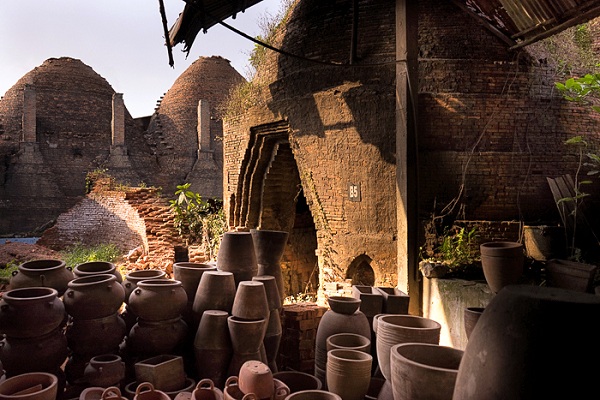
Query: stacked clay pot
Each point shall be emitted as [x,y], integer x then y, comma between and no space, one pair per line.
[129,284]
[274,331]
[343,316]
[269,246]
[32,318]
[237,255]
[248,324]
[160,328]
[42,273]
[95,327]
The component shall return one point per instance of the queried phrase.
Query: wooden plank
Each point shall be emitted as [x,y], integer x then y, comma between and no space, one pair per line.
[562,207]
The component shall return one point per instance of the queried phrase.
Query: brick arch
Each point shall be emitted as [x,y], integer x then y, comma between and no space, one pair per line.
[360,271]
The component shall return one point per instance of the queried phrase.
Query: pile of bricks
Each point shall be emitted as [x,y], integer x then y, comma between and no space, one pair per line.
[297,348]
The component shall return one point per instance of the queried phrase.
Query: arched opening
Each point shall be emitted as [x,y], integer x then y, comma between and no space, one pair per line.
[361,272]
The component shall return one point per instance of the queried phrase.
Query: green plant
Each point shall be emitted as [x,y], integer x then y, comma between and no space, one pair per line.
[456,247]
[7,271]
[80,253]
[197,220]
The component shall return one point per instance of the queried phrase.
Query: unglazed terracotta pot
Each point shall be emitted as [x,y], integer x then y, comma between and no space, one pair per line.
[256,377]
[93,296]
[131,279]
[145,391]
[471,316]
[212,347]
[189,274]
[185,391]
[42,273]
[30,386]
[343,304]
[95,268]
[158,299]
[394,329]
[502,263]
[348,373]
[41,353]
[423,371]
[92,337]
[237,255]
[216,291]
[348,341]
[30,312]
[206,390]
[105,370]
[532,342]
[157,337]
[250,301]
[232,391]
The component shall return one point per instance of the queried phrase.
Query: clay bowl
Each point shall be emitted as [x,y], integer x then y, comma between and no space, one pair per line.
[30,386]
[343,304]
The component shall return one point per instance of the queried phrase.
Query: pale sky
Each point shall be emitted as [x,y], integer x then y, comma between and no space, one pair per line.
[122,40]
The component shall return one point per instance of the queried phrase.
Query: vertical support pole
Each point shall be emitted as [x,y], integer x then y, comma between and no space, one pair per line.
[118,120]
[28,121]
[407,151]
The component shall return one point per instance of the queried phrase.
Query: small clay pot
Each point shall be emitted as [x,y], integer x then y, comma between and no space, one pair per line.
[105,370]
[250,301]
[232,391]
[343,304]
[146,391]
[206,390]
[256,377]
[470,317]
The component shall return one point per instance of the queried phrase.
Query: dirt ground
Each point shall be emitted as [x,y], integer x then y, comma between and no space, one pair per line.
[21,252]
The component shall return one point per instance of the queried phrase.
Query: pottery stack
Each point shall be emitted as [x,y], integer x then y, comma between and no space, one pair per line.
[31,319]
[129,284]
[274,331]
[343,316]
[95,327]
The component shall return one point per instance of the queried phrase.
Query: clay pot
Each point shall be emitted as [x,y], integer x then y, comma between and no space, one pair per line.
[216,291]
[92,337]
[42,273]
[236,255]
[502,263]
[532,342]
[43,353]
[158,299]
[145,391]
[271,290]
[93,296]
[185,391]
[394,329]
[269,246]
[250,301]
[246,341]
[104,370]
[423,371]
[297,380]
[131,279]
[272,339]
[206,390]
[256,377]
[212,347]
[100,393]
[232,391]
[470,317]
[348,341]
[157,337]
[30,312]
[30,386]
[348,373]
[343,304]
[313,395]
[189,274]
[96,268]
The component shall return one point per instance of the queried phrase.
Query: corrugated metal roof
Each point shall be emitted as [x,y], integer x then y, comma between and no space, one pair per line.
[522,22]
[517,22]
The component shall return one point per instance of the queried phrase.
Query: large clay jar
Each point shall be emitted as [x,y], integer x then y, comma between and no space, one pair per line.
[157,337]
[236,255]
[104,370]
[532,342]
[158,299]
[269,246]
[42,353]
[212,347]
[423,371]
[131,279]
[394,329]
[95,268]
[30,312]
[30,386]
[92,337]
[348,373]
[502,263]
[189,274]
[45,273]
[216,291]
[93,296]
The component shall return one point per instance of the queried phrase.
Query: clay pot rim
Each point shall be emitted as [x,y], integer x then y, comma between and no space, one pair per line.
[432,324]
[105,358]
[293,374]
[158,282]
[189,384]
[192,266]
[324,394]
[81,266]
[142,274]
[49,380]
[48,293]
[91,280]
[235,319]
[350,356]
[42,265]
[363,339]
[446,351]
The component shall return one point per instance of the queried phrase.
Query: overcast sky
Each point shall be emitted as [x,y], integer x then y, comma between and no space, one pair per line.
[122,40]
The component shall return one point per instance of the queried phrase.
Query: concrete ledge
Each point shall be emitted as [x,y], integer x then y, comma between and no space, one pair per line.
[444,301]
